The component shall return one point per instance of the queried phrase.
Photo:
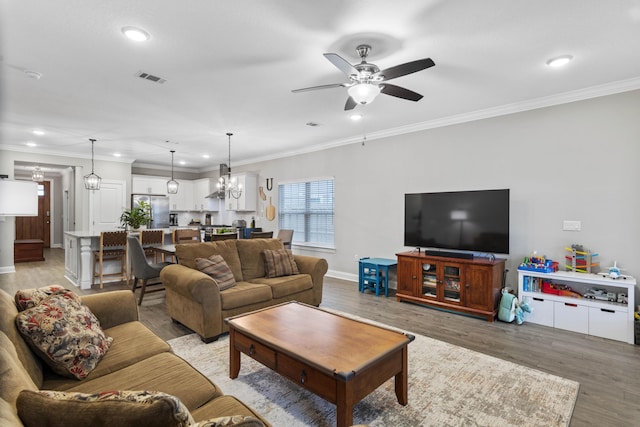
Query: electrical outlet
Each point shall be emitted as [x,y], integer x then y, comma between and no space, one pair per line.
[571,225]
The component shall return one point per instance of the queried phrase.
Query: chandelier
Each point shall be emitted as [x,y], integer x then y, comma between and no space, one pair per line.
[92,181]
[172,184]
[228,185]
[37,174]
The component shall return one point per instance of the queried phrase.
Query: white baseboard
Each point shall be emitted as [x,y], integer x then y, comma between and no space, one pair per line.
[8,269]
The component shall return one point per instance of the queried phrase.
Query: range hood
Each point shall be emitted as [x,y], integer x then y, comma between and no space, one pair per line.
[224,170]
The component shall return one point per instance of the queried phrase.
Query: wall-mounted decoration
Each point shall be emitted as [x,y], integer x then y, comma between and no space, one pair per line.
[261,193]
[270,211]
[269,184]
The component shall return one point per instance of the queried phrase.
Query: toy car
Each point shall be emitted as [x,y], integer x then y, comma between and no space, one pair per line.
[623,298]
[601,294]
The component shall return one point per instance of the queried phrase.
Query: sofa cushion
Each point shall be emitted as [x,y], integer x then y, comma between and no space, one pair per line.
[13,376]
[250,251]
[216,267]
[223,406]
[287,285]
[188,253]
[244,293]
[114,408]
[231,421]
[28,298]
[8,313]
[163,372]
[8,415]
[65,334]
[278,263]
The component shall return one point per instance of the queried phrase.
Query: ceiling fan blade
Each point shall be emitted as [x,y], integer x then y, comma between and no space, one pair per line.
[341,63]
[406,68]
[319,87]
[350,104]
[400,92]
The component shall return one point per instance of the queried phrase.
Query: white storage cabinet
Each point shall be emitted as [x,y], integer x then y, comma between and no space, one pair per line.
[604,319]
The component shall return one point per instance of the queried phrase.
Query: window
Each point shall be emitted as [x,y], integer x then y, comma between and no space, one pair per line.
[307,209]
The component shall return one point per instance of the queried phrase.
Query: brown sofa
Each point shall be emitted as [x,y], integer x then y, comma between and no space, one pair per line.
[136,360]
[193,298]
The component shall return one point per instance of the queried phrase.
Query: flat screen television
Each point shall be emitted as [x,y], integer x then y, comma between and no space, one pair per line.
[474,221]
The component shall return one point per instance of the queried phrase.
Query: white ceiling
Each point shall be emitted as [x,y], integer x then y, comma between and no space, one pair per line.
[230,66]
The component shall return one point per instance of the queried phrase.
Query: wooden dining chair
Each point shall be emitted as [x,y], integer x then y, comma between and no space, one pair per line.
[113,247]
[224,236]
[187,235]
[149,239]
[285,236]
[261,235]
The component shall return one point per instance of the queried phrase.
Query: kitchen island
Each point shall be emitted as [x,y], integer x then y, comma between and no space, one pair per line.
[78,256]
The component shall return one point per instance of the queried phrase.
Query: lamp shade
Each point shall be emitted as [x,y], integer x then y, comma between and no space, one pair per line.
[18,198]
[364,93]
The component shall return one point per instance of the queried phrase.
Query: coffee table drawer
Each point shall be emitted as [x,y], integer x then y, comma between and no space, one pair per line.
[255,350]
[321,384]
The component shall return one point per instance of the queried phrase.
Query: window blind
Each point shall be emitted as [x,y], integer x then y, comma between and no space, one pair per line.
[307,208]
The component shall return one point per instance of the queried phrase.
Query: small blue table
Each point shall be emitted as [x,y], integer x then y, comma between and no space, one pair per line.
[374,273]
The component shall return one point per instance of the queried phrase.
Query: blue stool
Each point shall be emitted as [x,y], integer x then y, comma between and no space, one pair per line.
[374,274]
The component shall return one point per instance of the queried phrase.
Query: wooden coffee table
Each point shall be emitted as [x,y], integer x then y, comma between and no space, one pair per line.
[339,359]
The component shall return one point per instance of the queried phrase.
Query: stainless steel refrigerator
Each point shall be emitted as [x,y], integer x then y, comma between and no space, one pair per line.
[159,208]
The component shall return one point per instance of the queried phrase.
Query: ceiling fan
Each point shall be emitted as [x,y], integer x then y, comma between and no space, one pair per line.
[366,80]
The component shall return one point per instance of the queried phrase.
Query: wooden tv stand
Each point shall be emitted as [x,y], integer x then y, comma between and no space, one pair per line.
[470,286]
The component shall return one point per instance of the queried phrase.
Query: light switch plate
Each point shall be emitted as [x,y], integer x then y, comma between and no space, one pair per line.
[571,225]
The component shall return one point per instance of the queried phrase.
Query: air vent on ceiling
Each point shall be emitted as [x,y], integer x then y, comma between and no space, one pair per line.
[151,77]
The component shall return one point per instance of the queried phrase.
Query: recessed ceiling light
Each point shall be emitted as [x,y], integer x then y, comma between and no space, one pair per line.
[31,144]
[38,132]
[205,156]
[559,61]
[182,162]
[355,117]
[117,154]
[135,34]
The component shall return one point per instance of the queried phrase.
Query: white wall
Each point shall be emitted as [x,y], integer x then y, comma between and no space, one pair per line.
[577,161]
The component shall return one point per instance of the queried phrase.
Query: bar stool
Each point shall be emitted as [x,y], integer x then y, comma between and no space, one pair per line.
[187,235]
[113,247]
[149,239]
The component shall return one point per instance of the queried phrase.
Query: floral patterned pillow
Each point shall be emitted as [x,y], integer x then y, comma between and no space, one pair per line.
[232,421]
[65,334]
[28,298]
[121,407]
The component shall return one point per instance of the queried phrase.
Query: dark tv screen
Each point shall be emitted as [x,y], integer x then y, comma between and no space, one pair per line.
[476,221]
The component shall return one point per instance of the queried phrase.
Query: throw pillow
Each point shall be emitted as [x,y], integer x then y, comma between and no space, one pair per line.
[113,408]
[65,334]
[279,262]
[28,298]
[216,267]
[232,421]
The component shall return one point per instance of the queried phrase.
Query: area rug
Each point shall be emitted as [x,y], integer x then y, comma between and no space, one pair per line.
[448,386]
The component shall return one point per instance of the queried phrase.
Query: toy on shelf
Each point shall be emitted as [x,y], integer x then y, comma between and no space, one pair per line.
[615,272]
[539,264]
[582,261]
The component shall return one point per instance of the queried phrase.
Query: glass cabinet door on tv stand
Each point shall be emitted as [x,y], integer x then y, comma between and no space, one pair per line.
[441,281]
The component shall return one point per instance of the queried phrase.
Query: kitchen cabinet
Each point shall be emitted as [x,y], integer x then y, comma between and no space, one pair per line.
[141,184]
[470,286]
[248,200]
[183,199]
[201,188]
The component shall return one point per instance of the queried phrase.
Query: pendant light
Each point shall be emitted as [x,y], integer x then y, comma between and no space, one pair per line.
[172,184]
[228,185]
[92,181]
[37,174]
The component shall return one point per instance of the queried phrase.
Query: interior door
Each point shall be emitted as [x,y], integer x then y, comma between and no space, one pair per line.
[37,227]
[106,206]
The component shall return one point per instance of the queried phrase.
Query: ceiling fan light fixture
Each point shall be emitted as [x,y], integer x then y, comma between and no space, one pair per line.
[135,34]
[559,61]
[364,93]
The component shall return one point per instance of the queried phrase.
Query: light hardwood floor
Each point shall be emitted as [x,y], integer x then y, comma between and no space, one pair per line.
[608,371]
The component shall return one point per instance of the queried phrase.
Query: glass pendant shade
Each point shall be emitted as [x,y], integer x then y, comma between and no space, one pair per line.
[92,181]
[172,184]
[364,93]
[37,174]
